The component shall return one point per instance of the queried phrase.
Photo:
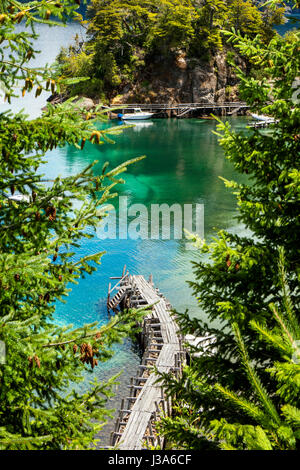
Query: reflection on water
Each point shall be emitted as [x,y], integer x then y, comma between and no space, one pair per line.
[138,126]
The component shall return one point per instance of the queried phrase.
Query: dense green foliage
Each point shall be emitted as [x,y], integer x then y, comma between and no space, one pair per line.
[251,359]
[123,36]
[39,406]
[262,420]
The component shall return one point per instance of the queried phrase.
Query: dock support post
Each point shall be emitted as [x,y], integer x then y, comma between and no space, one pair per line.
[124,270]
[108,298]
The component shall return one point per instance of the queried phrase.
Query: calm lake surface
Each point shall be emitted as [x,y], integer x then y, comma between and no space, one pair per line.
[183,165]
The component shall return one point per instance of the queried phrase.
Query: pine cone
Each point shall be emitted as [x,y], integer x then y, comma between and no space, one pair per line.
[37,361]
[89,350]
[19,16]
[75,348]
[52,216]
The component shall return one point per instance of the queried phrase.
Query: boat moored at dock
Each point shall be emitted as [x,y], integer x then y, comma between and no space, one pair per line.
[137,115]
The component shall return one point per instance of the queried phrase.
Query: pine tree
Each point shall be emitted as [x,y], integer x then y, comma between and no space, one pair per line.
[272,422]
[241,278]
[39,232]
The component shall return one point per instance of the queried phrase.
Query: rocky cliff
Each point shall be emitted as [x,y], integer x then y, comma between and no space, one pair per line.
[180,79]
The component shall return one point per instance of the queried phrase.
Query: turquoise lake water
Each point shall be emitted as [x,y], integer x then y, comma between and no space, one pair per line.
[183,165]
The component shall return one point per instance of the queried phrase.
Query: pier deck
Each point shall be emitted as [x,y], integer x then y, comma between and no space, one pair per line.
[181,110]
[162,345]
[182,106]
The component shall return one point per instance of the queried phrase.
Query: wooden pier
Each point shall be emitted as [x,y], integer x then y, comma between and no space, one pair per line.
[182,110]
[261,124]
[135,428]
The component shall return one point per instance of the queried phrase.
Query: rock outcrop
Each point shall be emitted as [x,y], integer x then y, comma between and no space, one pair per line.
[84,103]
[181,79]
[81,103]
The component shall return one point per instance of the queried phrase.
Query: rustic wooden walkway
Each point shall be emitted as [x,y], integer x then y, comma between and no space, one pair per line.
[182,106]
[162,344]
[180,110]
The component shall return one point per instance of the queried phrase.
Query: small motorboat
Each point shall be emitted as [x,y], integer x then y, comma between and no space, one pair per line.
[137,115]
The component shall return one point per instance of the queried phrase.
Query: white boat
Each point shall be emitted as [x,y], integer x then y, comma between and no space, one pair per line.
[137,115]
[263,118]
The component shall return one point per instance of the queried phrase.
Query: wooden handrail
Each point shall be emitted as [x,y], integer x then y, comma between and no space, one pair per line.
[116,285]
[181,105]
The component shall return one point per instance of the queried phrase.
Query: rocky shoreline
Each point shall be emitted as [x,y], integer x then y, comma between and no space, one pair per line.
[180,79]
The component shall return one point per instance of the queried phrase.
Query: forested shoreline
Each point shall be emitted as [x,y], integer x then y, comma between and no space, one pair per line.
[164,51]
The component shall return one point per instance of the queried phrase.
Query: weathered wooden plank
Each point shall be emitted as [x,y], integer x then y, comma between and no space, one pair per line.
[162,347]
